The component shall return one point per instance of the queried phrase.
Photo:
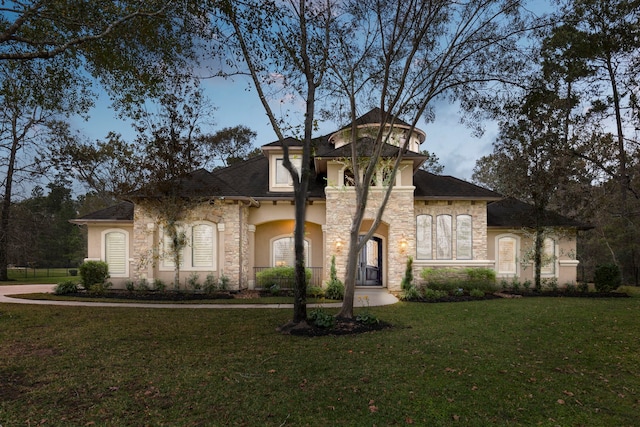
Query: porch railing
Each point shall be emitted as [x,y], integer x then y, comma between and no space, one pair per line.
[286,282]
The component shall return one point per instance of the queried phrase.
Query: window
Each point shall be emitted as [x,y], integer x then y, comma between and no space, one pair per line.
[464,237]
[443,237]
[284,252]
[423,237]
[283,177]
[548,257]
[115,252]
[507,250]
[199,251]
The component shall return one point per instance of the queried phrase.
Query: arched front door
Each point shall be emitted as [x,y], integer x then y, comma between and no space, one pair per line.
[370,264]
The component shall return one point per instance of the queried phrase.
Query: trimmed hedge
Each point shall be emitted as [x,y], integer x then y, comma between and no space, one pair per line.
[284,277]
[450,279]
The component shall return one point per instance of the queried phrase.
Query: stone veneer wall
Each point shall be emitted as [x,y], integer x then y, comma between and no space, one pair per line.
[398,215]
[478,212]
[231,218]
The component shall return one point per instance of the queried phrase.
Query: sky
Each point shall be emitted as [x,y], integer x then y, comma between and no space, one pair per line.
[448,139]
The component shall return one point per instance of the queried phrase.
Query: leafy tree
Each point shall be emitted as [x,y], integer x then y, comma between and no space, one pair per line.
[432,164]
[49,51]
[595,46]
[401,56]
[285,43]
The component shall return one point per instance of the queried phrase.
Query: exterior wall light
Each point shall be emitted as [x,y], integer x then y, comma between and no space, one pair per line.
[403,245]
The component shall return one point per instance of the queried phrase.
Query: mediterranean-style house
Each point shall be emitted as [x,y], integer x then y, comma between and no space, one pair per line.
[241,220]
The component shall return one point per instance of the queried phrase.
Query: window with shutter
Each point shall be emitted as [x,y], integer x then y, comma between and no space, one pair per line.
[115,243]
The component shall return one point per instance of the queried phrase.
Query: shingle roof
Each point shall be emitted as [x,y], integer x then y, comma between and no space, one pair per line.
[511,212]
[374,116]
[442,187]
[123,211]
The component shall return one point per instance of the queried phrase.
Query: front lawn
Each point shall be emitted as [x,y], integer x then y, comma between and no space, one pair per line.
[530,361]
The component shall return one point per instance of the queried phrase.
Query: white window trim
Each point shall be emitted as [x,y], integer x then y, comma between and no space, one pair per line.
[288,236]
[430,257]
[458,217]
[296,160]
[103,249]
[555,261]
[517,257]
[187,254]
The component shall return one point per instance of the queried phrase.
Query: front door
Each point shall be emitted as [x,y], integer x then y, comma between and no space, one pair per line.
[370,264]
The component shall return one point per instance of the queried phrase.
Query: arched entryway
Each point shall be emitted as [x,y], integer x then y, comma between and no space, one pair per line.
[370,263]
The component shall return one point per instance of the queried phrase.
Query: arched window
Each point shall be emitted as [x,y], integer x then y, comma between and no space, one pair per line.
[283,252]
[464,237]
[506,256]
[443,237]
[424,245]
[115,247]
[548,257]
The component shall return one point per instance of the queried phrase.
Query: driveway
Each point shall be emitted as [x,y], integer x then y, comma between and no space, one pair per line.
[364,297]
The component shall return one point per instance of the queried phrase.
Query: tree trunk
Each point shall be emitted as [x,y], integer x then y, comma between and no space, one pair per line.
[6,207]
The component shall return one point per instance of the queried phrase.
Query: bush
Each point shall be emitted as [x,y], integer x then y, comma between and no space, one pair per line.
[335,287]
[130,285]
[412,293]
[193,282]
[94,273]
[224,283]
[210,284]
[99,288]
[315,291]
[433,294]
[451,279]
[284,277]
[159,285]
[607,278]
[321,318]
[66,287]
[481,278]
[335,290]
[476,293]
[407,280]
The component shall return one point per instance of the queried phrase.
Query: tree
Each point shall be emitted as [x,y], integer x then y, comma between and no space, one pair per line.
[597,43]
[401,56]
[530,153]
[48,50]
[286,44]
[29,118]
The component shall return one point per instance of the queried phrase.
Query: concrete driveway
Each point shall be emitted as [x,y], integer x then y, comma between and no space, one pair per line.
[364,297]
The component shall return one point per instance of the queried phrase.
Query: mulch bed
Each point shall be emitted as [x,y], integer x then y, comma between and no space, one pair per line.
[154,295]
[341,327]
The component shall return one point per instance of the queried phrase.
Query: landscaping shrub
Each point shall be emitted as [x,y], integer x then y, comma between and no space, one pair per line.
[407,280]
[335,287]
[66,287]
[321,318]
[159,285]
[210,284]
[284,277]
[476,293]
[412,293]
[607,278]
[451,279]
[481,278]
[315,291]
[99,288]
[94,273]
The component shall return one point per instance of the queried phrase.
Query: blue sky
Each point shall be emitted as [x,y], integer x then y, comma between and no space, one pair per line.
[234,105]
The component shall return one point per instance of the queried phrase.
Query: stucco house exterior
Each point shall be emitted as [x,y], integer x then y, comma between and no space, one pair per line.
[242,221]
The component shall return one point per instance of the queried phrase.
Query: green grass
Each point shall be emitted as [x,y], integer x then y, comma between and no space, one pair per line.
[260,300]
[531,361]
[39,276]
